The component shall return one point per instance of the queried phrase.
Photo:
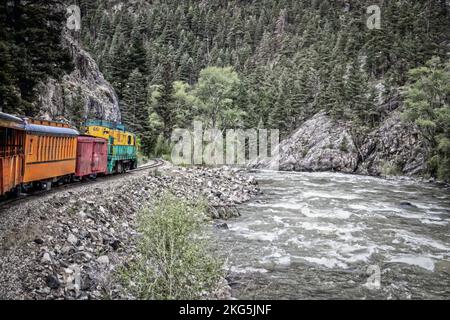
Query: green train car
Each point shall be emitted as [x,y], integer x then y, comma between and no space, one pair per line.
[122,148]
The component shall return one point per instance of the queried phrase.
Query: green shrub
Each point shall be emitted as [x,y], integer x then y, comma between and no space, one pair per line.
[175,260]
[443,173]
[142,158]
[305,152]
[390,169]
[162,147]
[344,145]
[439,167]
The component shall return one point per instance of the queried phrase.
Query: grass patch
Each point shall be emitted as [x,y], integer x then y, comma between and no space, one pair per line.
[141,158]
[390,169]
[175,261]
[344,145]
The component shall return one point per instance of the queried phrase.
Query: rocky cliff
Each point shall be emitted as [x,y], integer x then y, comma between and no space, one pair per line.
[322,144]
[395,147]
[85,85]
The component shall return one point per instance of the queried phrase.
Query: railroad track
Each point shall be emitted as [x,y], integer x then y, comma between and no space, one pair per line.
[4,204]
[157,163]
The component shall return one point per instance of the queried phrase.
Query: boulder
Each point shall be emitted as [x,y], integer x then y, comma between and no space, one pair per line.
[320,144]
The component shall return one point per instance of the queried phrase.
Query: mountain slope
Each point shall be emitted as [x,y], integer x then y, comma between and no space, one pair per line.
[45,72]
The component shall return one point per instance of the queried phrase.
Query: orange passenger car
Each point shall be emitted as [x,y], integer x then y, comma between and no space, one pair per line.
[50,151]
[12,140]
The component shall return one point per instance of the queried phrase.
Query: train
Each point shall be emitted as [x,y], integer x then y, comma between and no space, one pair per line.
[40,153]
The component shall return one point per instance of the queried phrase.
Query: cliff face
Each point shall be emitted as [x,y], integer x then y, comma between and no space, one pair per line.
[395,147]
[318,145]
[322,144]
[85,84]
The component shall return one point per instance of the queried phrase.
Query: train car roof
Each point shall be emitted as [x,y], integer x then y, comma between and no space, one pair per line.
[90,138]
[10,121]
[51,131]
[107,124]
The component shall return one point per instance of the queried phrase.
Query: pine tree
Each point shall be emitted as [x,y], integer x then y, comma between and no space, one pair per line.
[135,110]
[134,100]
[30,51]
[356,94]
[427,100]
[164,103]
[137,56]
[9,97]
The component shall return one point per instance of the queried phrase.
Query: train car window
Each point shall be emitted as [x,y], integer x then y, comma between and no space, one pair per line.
[72,147]
[50,150]
[41,149]
[47,148]
[129,140]
[30,150]
[58,148]
[3,142]
[55,154]
[51,143]
[38,150]
[64,148]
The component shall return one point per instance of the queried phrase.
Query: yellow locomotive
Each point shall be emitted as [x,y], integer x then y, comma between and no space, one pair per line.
[122,150]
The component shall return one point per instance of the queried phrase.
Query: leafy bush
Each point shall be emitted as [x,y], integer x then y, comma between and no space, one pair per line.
[439,166]
[427,104]
[162,147]
[175,260]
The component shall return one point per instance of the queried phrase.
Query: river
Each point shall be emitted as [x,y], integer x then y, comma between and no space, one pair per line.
[337,236]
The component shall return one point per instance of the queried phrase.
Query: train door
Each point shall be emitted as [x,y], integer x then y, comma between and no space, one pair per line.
[111,145]
[97,156]
[11,158]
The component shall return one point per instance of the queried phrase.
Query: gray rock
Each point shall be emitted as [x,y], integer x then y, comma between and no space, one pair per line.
[407,205]
[46,258]
[221,226]
[86,282]
[38,241]
[72,239]
[115,244]
[104,260]
[52,281]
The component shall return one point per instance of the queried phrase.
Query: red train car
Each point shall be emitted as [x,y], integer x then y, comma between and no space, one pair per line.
[92,156]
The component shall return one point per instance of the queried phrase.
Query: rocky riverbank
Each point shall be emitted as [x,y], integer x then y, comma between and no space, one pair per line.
[322,144]
[68,245]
